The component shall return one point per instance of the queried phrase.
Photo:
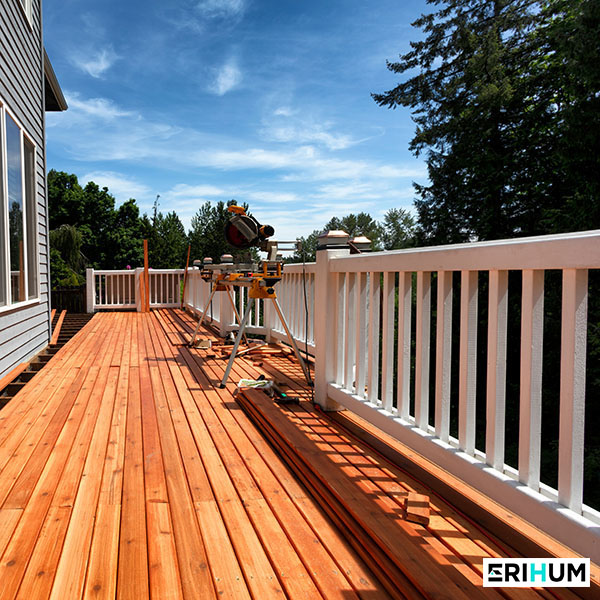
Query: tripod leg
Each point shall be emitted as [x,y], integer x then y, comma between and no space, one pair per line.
[201,320]
[237,314]
[237,342]
[292,341]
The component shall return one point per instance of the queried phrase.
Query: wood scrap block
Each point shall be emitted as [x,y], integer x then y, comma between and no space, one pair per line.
[417,508]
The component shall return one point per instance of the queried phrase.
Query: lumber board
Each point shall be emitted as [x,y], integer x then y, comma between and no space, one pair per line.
[258,572]
[221,423]
[397,538]
[211,428]
[12,375]
[56,331]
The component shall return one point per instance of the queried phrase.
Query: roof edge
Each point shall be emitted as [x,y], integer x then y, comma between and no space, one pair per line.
[56,101]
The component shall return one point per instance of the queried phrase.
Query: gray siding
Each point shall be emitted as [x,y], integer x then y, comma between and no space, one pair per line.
[25,331]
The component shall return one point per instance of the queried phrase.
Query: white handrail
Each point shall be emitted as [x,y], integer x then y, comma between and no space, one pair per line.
[379,297]
[381,328]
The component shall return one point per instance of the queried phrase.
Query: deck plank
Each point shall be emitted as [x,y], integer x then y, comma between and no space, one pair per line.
[126,473]
[360,577]
[258,572]
[193,563]
[133,550]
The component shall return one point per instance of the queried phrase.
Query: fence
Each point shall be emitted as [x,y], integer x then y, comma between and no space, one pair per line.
[121,289]
[385,349]
[71,298]
[422,344]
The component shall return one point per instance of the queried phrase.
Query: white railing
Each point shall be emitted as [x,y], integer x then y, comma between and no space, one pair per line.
[165,287]
[121,289]
[263,318]
[111,289]
[369,360]
[296,285]
[395,338]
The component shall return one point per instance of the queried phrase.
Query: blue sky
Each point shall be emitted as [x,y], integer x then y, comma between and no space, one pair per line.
[264,101]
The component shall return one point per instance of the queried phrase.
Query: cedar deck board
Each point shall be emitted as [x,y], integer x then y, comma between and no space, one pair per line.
[126,473]
[456,530]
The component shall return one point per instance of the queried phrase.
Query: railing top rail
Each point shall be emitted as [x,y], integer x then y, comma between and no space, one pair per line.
[580,250]
[165,271]
[298,267]
[114,272]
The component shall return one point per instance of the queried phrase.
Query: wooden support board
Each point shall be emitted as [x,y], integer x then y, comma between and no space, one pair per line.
[56,332]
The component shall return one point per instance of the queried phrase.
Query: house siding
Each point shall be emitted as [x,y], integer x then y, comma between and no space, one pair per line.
[25,331]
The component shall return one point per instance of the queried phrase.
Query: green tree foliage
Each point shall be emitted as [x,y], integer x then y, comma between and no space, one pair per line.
[398,229]
[167,242]
[126,239]
[358,225]
[307,251]
[91,211]
[504,94]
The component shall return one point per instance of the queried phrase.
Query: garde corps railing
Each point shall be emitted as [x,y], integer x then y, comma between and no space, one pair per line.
[423,342]
[121,289]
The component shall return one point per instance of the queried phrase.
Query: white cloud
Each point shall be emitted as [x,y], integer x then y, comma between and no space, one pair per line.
[102,108]
[120,186]
[97,63]
[221,8]
[227,78]
[285,124]
[183,190]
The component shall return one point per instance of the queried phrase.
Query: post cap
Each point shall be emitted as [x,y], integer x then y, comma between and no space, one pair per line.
[360,243]
[333,239]
[226,259]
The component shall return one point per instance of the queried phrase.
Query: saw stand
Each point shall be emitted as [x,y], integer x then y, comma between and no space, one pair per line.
[258,289]
[217,287]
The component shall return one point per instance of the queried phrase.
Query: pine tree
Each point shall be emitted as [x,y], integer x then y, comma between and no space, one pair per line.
[497,99]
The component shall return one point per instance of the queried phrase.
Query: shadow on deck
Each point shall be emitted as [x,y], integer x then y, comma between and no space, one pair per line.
[126,473]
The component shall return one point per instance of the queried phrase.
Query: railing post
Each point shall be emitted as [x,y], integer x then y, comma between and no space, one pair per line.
[90,290]
[225,314]
[331,244]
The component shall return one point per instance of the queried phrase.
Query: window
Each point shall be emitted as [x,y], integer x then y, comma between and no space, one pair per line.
[19,265]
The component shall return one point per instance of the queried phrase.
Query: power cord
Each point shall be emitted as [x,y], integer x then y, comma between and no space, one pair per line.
[311,382]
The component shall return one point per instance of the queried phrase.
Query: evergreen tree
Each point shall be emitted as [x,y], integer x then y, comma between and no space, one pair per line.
[497,101]
[398,229]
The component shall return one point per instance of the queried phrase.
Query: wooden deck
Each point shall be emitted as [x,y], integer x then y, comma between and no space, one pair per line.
[126,473]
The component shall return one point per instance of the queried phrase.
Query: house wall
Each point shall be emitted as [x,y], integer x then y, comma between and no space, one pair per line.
[25,331]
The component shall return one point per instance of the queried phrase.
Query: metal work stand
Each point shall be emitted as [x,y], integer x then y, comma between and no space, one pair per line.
[204,313]
[240,333]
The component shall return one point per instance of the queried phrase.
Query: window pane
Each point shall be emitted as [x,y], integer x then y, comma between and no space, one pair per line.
[15,211]
[31,218]
[3,245]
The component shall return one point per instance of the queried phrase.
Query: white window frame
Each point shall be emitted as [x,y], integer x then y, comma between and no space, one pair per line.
[10,305]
